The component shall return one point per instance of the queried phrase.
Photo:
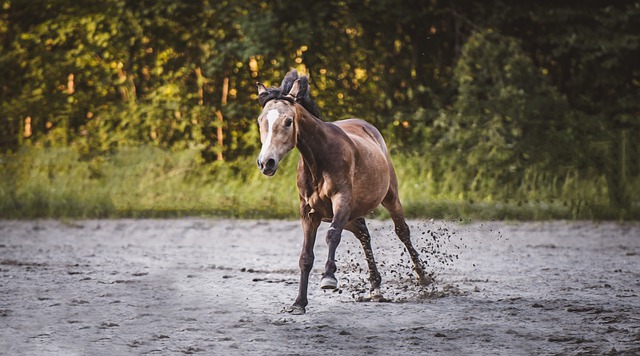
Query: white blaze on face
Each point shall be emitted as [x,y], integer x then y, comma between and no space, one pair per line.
[272,115]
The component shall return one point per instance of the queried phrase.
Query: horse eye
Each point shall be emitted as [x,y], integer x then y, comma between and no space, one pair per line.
[288,122]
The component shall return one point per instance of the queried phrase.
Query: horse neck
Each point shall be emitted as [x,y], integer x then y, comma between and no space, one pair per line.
[312,138]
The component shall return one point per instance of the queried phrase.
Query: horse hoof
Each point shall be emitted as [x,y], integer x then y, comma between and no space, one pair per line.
[294,310]
[328,283]
[376,296]
[423,279]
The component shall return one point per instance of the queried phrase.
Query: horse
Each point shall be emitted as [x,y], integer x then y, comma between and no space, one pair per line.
[344,173]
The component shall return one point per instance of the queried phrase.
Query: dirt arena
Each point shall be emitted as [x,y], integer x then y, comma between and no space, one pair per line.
[217,287]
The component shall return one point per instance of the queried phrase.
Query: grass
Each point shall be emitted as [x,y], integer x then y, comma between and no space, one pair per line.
[150,182]
[138,182]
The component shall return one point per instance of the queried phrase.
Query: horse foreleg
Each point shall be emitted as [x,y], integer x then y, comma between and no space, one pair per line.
[310,228]
[359,228]
[334,235]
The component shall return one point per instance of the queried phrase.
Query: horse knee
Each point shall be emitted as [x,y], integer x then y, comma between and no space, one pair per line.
[333,236]
[306,262]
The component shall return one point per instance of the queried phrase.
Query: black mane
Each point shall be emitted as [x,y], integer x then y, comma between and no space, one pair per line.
[281,93]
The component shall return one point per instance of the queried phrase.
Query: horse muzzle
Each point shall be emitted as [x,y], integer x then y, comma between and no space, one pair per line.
[267,167]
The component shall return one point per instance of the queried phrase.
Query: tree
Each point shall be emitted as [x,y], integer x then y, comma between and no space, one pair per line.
[590,51]
[507,118]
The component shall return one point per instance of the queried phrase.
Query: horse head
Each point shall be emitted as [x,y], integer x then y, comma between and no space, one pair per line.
[277,123]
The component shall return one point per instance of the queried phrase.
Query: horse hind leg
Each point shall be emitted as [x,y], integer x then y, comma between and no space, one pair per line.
[359,228]
[393,205]
[402,230]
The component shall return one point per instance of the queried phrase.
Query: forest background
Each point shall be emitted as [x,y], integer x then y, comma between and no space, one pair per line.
[492,110]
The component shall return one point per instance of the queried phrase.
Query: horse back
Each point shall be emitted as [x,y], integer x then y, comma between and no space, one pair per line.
[360,129]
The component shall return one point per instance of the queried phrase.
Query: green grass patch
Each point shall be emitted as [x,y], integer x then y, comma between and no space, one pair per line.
[146,182]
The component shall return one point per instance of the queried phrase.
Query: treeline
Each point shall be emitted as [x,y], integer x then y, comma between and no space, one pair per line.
[504,96]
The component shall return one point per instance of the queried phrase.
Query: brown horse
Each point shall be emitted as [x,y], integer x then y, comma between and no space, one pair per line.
[344,173]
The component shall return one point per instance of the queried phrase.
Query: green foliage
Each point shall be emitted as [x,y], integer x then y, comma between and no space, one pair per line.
[504,103]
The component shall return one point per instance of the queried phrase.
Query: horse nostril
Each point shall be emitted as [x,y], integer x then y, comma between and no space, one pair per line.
[270,163]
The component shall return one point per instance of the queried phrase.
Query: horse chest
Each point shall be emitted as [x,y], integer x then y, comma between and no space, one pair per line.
[318,201]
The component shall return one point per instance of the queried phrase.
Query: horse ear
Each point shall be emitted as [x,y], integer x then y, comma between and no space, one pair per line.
[304,87]
[288,80]
[295,88]
[261,88]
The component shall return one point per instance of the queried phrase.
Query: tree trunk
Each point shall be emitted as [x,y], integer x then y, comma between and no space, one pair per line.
[616,174]
[200,82]
[223,103]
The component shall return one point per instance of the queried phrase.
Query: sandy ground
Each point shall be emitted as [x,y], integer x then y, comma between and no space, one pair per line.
[217,287]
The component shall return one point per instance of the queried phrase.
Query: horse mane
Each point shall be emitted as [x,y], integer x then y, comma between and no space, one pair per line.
[281,93]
